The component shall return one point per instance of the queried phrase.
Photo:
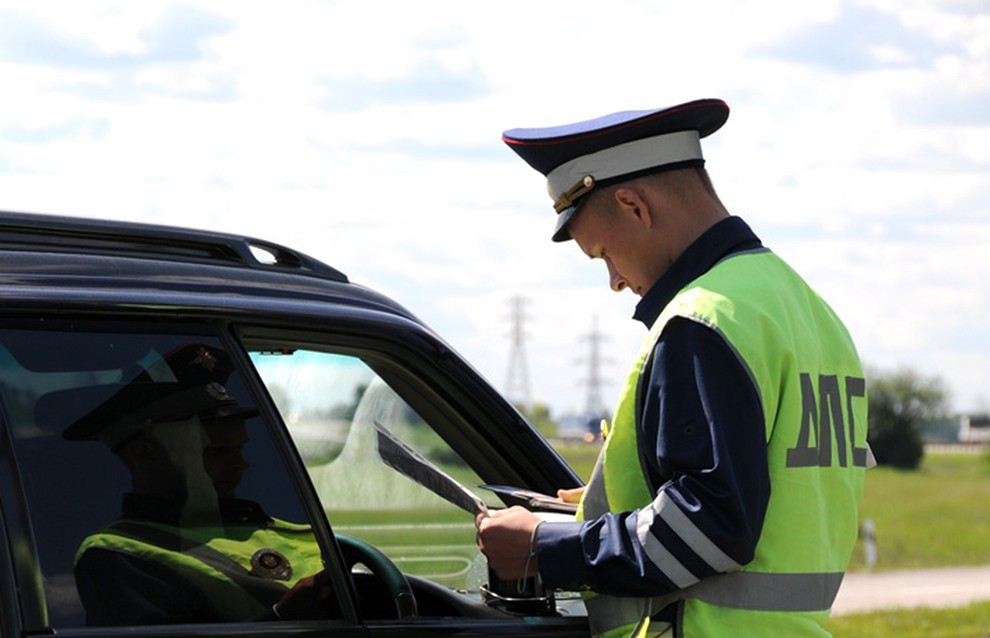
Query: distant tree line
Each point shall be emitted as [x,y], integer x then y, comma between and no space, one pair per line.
[903,403]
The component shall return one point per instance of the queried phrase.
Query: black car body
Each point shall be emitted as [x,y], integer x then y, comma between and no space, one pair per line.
[326,363]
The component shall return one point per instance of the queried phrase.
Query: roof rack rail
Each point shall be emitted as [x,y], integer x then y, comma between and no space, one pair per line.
[30,231]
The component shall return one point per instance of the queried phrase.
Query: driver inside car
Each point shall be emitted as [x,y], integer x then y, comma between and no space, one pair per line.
[185,549]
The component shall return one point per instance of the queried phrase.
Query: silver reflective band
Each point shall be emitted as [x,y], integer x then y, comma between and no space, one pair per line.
[607,613]
[659,555]
[624,159]
[753,591]
[681,525]
[595,500]
[760,591]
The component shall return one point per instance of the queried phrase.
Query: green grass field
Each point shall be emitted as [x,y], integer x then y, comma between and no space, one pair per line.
[934,517]
[937,516]
[965,622]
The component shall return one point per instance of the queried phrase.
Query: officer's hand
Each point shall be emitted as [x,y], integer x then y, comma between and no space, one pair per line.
[572,495]
[505,538]
[308,599]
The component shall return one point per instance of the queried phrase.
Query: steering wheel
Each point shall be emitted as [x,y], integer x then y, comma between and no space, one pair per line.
[357,551]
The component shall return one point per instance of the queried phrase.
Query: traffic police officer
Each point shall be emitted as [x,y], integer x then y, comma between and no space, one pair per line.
[185,549]
[724,501]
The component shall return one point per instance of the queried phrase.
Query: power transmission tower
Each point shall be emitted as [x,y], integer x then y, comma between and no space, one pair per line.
[517,384]
[594,407]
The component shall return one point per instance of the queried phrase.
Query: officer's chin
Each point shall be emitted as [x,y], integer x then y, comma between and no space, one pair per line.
[226,489]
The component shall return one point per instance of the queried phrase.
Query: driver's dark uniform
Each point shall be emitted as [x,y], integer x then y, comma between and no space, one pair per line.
[144,568]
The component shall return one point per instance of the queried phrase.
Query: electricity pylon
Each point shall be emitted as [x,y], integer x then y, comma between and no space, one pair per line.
[517,383]
[594,406]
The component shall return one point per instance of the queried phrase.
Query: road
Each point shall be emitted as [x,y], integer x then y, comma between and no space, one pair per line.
[950,587]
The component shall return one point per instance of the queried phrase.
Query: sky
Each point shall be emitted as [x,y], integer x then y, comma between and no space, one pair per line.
[367,135]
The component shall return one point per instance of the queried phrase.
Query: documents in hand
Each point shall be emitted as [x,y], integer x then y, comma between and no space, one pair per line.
[409,462]
[535,500]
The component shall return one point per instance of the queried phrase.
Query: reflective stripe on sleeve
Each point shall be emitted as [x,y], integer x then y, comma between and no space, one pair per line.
[678,521]
[680,524]
[659,555]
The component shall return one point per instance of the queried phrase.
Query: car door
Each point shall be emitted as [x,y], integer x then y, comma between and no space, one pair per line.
[399,438]
[320,400]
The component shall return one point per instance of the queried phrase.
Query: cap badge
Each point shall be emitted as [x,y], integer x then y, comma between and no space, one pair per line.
[205,359]
[580,189]
[269,563]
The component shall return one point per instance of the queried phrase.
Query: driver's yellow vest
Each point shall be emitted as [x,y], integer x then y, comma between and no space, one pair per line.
[217,561]
[804,365]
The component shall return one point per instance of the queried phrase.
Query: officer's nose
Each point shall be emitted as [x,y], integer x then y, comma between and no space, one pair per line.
[616,281]
[241,463]
[233,461]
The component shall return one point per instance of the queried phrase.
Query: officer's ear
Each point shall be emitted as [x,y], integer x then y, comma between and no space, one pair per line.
[140,449]
[630,201]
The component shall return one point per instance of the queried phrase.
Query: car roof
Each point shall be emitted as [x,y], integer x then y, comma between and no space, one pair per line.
[39,250]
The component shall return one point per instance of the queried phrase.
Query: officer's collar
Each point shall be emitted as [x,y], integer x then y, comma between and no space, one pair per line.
[168,511]
[728,236]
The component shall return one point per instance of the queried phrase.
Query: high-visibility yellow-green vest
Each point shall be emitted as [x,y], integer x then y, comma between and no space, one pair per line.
[803,362]
[217,561]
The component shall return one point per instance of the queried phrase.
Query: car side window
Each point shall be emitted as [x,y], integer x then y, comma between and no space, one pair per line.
[336,406]
[156,491]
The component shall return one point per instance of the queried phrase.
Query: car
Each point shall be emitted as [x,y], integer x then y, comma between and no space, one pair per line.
[363,427]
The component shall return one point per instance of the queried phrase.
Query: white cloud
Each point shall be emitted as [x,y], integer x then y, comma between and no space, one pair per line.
[367,135]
